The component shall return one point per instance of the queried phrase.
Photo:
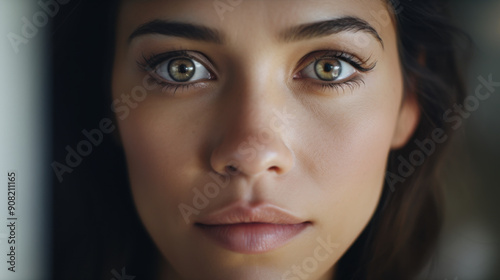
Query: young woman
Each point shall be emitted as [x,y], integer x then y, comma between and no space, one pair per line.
[277,139]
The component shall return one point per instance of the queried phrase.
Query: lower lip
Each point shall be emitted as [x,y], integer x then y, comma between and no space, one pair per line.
[252,238]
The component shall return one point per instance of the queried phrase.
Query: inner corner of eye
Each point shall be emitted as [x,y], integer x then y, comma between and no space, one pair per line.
[298,74]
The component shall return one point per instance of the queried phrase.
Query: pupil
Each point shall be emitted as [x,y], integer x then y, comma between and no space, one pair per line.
[183,68]
[328,70]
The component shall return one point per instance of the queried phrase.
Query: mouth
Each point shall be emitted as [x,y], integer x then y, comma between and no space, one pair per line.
[252,238]
[251,230]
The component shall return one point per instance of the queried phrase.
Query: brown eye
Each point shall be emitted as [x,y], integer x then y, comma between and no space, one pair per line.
[328,70]
[182,69]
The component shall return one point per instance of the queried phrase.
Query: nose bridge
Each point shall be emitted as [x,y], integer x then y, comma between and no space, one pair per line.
[254,105]
[252,139]
[256,89]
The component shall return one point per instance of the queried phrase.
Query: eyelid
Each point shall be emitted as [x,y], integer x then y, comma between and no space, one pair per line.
[361,65]
[352,72]
[150,63]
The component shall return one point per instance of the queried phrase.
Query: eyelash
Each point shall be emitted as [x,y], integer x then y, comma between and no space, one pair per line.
[343,86]
[149,64]
[362,66]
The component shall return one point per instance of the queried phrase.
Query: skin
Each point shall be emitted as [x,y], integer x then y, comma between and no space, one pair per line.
[326,163]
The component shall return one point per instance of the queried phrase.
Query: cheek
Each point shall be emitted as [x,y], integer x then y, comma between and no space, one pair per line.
[163,157]
[345,153]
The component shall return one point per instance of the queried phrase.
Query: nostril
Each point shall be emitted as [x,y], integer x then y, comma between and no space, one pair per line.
[231,169]
[274,168]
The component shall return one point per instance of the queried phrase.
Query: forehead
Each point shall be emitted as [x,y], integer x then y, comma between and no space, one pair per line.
[237,17]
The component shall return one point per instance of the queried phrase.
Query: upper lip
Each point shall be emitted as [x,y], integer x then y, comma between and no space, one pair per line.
[236,214]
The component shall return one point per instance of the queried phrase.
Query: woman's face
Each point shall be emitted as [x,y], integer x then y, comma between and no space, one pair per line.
[257,132]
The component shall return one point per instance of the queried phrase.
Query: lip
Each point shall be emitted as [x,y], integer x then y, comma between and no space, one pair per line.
[251,230]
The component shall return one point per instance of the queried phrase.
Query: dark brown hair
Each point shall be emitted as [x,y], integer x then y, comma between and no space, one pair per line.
[96,229]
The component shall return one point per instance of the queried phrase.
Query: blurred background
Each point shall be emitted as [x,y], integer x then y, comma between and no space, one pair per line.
[469,247]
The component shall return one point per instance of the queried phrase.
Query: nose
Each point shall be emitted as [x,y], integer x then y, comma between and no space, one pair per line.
[253,138]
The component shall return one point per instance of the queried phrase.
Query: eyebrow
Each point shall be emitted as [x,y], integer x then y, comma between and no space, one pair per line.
[298,33]
[329,27]
[178,29]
